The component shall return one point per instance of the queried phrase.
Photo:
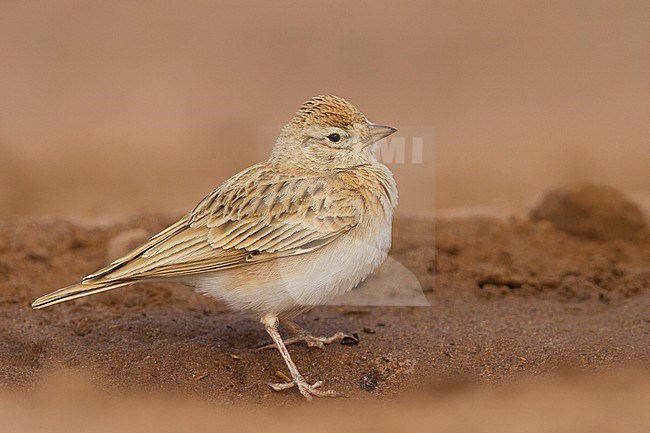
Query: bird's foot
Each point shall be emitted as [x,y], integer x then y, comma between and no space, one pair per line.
[320,342]
[311,340]
[305,388]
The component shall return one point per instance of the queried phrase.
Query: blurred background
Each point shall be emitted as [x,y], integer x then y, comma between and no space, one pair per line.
[121,107]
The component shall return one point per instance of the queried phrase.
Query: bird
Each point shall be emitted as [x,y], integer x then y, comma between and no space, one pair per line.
[280,237]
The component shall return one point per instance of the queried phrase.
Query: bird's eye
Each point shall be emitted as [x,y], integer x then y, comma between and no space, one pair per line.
[334,137]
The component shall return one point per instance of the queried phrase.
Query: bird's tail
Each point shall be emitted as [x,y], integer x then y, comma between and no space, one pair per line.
[77,291]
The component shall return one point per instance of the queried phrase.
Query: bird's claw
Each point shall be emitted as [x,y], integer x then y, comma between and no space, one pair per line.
[307,390]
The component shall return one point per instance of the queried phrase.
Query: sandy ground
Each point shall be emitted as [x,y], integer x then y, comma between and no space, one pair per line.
[520,318]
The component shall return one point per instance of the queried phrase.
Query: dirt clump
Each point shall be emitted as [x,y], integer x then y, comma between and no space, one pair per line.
[591,211]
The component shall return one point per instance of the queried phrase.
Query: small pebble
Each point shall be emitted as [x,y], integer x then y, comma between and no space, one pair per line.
[350,340]
[368,381]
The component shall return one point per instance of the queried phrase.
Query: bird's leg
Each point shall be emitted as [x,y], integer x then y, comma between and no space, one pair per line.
[302,334]
[307,390]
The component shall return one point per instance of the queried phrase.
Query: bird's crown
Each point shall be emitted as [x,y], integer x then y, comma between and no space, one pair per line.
[328,110]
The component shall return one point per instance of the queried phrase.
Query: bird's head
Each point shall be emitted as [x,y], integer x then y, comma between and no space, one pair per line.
[328,133]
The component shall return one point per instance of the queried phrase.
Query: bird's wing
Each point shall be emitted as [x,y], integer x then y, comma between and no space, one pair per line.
[254,216]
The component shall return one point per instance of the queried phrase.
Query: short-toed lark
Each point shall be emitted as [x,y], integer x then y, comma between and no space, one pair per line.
[282,236]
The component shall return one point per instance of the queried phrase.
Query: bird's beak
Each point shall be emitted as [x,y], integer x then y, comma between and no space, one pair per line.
[377,132]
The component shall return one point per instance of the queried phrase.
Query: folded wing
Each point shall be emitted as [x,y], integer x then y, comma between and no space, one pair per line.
[252,217]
